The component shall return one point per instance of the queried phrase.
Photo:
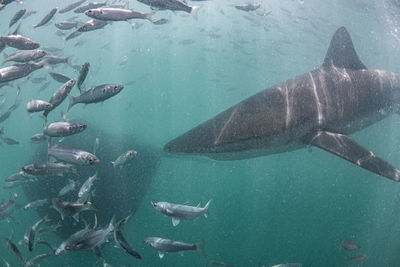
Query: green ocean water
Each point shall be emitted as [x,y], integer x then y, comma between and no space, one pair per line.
[290,207]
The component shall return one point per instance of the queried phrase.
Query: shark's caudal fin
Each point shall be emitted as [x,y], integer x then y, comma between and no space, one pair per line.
[345,147]
[341,52]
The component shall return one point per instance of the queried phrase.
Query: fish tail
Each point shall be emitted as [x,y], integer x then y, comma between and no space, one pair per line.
[206,208]
[194,10]
[111,225]
[148,15]
[200,248]
[72,101]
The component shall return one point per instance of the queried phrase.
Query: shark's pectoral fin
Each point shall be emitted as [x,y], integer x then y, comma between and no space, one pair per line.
[345,147]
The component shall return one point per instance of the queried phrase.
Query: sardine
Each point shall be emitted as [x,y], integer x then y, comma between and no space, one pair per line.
[19,42]
[91,25]
[54,60]
[86,188]
[116,14]
[34,261]
[18,71]
[167,245]
[83,72]
[70,209]
[39,137]
[248,7]
[14,248]
[67,188]
[63,128]
[96,94]
[174,5]
[31,233]
[71,6]
[20,13]
[121,241]
[72,155]
[349,245]
[26,56]
[88,6]
[66,25]
[122,159]
[48,168]
[35,204]
[180,212]
[36,105]
[47,18]
[59,96]
[59,77]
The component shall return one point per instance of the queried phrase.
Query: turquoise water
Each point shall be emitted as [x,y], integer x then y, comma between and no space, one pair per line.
[290,207]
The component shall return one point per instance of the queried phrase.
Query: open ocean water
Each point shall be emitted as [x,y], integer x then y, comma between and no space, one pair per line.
[289,207]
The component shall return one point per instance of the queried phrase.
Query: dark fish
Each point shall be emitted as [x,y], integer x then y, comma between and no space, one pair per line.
[72,155]
[37,79]
[48,168]
[248,7]
[31,234]
[219,263]
[26,56]
[59,96]
[44,86]
[349,245]
[160,21]
[18,71]
[63,128]
[93,5]
[360,257]
[30,13]
[47,18]
[66,25]
[121,241]
[70,209]
[115,14]
[14,248]
[59,77]
[174,5]
[19,42]
[9,141]
[96,94]
[82,74]
[16,17]
[71,6]
[91,25]
[73,35]
[7,207]
[4,116]
[34,261]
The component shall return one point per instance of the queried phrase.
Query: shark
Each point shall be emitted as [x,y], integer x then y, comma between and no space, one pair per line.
[320,108]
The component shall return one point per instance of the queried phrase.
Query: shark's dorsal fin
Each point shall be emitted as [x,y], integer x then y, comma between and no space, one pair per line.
[341,52]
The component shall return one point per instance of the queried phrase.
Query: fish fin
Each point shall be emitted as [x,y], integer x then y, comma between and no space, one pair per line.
[346,148]
[76,217]
[200,248]
[175,221]
[71,101]
[341,52]
[161,254]
[206,208]
[194,11]
[198,205]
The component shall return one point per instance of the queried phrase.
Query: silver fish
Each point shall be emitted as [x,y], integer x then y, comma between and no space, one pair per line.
[59,96]
[16,183]
[71,6]
[54,60]
[122,159]
[83,72]
[180,212]
[34,261]
[116,14]
[7,207]
[349,245]
[66,25]
[248,7]
[63,128]
[288,265]
[48,168]
[31,233]
[20,13]
[36,105]
[91,25]
[26,56]
[19,42]
[18,71]
[72,155]
[96,94]
[71,239]
[59,77]
[167,245]
[92,5]
[70,209]
[73,35]
[36,204]
[47,18]
[38,137]
[86,187]
[91,239]
[174,5]
[67,188]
